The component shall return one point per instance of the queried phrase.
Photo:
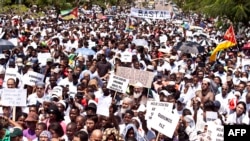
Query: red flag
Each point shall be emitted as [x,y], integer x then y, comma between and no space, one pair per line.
[229,35]
[75,12]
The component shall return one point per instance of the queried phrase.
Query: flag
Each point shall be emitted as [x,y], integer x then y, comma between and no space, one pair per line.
[69,14]
[229,36]
[129,26]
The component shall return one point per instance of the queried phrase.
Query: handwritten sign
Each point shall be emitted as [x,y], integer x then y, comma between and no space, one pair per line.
[14,97]
[126,57]
[165,122]
[215,132]
[135,75]
[31,78]
[153,105]
[118,83]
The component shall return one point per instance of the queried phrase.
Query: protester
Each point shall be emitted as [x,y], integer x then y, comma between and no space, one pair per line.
[118,77]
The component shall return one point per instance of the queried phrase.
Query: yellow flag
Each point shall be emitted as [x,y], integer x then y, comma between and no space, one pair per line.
[220,46]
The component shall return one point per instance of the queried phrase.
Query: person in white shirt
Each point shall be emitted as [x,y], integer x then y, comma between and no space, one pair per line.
[39,95]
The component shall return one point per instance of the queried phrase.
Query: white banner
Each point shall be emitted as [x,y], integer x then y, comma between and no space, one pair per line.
[151,14]
[14,97]
[118,83]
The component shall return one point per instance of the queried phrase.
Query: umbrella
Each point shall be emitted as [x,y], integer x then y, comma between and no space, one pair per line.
[140,42]
[205,43]
[6,45]
[85,51]
[246,46]
[189,47]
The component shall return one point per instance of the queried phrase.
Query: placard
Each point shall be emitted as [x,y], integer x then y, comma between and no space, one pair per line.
[211,116]
[215,132]
[118,83]
[165,122]
[10,73]
[153,105]
[103,106]
[31,78]
[150,14]
[126,57]
[14,97]
[42,58]
[135,75]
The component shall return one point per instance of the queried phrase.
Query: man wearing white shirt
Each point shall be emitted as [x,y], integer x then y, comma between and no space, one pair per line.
[39,95]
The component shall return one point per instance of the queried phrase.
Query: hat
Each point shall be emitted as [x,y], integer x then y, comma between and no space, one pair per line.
[237,93]
[181,100]
[216,104]
[56,70]
[32,117]
[40,84]
[91,106]
[19,62]
[138,85]
[171,83]
[49,60]
[46,133]
[53,109]
[165,92]
[62,102]
[29,63]
[188,76]
[142,108]
[17,132]
[80,58]
[207,80]
[172,58]
[2,56]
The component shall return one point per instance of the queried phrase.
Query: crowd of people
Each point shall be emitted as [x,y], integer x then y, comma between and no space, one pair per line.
[83,53]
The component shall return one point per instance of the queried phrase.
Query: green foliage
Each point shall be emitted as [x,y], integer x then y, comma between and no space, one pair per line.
[14,9]
[235,10]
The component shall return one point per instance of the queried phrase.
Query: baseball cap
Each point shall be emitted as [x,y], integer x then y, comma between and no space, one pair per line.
[91,106]
[181,100]
[17,132]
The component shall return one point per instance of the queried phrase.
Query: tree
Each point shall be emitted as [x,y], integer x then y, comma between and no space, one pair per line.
[235,10]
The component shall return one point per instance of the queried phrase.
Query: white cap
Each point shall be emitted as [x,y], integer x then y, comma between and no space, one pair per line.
[138,85]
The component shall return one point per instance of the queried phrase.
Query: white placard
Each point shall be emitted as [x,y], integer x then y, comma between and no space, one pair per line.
[215,132]
[31,78]
[151,14]
[126,57]
[117,83]
[211,116]
[165,122]
[14,97]
[152,106]
[42,58]
[10,73]
[103,106]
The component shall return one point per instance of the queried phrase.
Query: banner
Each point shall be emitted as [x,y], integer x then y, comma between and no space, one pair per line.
[134,76]
[151,14]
